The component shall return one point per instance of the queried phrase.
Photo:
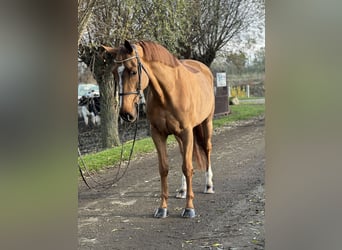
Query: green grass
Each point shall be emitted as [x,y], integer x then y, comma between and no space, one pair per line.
[251,97]
[110,157]
[240,112]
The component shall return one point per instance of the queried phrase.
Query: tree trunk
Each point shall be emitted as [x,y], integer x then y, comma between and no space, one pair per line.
[207,57]
[94,59]
[109,112]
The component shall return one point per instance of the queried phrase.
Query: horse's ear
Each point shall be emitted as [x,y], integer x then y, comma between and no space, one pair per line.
[128,46]
[110,50]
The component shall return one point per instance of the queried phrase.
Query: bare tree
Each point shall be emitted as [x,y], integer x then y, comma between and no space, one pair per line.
[85,11]
[100,65]
[215,22]
[94,58]
[96,32]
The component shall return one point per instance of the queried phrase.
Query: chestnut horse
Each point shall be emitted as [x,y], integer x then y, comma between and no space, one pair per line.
[180,101]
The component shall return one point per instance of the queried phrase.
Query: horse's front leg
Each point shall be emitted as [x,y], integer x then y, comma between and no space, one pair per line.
[188,140]
[181,193]
[160,143]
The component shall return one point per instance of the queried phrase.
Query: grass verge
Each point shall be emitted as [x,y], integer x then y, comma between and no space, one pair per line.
[110,157]
[240,112]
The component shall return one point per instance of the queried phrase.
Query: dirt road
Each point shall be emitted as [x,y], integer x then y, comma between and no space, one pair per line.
[232,218]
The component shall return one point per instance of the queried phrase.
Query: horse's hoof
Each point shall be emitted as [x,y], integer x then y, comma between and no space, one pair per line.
[181,194]
[161,213]
[209,190]
[188,213]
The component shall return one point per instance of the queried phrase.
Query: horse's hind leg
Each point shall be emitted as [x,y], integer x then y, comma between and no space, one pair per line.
[181,193]
[209,186]
[208,131]
[160,143]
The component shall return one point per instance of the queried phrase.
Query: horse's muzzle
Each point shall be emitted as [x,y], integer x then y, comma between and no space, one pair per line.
[128,117]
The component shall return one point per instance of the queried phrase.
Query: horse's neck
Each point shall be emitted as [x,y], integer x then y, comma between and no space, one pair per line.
[161,86]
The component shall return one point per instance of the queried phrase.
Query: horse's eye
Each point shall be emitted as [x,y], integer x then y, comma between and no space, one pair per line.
[133,73]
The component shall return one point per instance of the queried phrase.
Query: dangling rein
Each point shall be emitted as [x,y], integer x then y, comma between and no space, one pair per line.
[117,177]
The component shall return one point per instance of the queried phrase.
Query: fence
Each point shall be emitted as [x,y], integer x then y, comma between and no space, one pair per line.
[246,87]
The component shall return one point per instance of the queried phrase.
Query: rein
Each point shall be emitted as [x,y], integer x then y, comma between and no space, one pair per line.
[118,176]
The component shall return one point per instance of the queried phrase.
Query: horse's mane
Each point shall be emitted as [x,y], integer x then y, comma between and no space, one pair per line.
[157,53]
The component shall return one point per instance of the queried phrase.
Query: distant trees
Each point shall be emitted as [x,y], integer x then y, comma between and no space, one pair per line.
[258,64]
[237,61]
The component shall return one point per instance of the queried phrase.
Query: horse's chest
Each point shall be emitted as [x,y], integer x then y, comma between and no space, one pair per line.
[165,122]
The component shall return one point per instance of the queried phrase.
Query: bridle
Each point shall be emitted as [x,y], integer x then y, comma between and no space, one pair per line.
[140,66]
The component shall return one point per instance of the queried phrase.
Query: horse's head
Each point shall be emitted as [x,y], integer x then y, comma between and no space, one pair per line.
[131,76]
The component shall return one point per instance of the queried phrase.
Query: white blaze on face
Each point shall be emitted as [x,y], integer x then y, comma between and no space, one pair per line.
[121,69]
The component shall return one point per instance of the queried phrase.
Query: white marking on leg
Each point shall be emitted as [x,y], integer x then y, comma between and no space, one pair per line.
[182,191]
[209,186]
[183,185]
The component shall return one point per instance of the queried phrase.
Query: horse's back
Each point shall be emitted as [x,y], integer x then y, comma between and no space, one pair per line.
[189,65]
[199,71]
[196,66]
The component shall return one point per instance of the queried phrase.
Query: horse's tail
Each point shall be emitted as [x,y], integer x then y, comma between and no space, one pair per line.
[199,152]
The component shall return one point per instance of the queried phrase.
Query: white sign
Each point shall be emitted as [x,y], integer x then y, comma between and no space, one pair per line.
[221,80]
